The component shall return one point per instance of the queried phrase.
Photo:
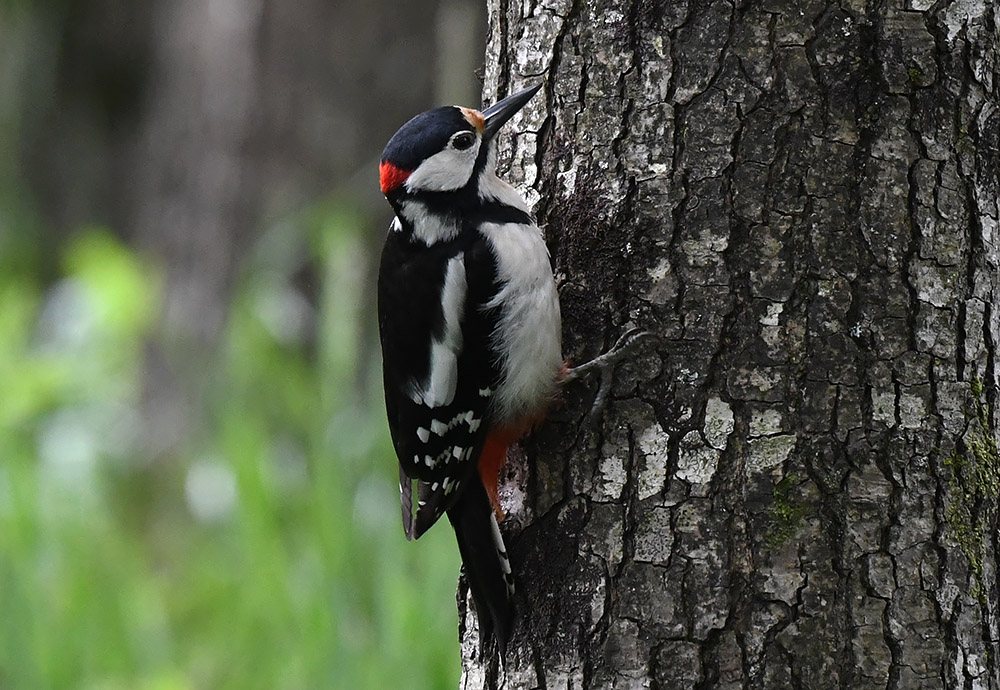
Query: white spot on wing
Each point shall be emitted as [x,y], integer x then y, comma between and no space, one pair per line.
[423,434]
[439,428]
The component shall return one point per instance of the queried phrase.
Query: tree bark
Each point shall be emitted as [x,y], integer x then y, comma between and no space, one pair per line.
[797,485]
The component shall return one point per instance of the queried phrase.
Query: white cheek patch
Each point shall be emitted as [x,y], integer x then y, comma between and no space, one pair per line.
[445,171]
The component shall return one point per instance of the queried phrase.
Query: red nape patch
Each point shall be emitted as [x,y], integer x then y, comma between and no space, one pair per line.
[492,459]
[390,176]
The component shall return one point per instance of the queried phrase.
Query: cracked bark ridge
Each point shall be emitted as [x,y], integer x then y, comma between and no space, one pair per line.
[797,486]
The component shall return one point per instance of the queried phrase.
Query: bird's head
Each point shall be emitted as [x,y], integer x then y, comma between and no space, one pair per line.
[445,149]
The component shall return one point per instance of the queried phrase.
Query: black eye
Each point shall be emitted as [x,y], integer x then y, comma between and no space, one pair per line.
[463,140]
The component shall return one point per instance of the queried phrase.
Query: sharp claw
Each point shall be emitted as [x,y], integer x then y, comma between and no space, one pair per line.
[606,365]
[631,337]
[600,399]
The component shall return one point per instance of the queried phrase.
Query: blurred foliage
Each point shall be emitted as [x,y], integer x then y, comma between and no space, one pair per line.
[267,553]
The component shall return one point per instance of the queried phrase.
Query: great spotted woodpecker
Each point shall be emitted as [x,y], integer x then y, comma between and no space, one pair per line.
[471,334]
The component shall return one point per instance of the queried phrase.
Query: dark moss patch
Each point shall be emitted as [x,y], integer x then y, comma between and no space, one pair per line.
[974,486]
[786,512]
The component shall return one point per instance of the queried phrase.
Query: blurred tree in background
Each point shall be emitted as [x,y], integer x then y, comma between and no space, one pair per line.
[194,474]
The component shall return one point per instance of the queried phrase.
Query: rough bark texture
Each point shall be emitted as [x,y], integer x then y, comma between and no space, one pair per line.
[797,486]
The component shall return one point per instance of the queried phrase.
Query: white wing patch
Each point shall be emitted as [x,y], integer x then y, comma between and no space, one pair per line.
[439,389]
[443,379]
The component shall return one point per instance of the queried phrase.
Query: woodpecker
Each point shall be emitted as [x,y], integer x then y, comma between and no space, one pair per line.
[470,330]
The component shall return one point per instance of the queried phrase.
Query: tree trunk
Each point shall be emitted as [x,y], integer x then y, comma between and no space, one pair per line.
[797,486]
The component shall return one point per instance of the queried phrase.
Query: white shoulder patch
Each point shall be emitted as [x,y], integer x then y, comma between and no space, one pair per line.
[439,389]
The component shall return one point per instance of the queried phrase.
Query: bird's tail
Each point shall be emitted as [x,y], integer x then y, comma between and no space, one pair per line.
[484,556]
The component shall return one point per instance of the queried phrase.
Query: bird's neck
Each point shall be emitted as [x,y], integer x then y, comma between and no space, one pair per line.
[426,222]
[433,217]
[492,190]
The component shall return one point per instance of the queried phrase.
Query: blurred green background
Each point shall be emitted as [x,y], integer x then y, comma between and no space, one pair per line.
[196,485]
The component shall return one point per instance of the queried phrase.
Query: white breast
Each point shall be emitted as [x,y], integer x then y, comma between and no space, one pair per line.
[529,336]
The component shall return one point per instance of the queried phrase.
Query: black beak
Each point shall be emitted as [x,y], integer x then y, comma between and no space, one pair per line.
[496,115]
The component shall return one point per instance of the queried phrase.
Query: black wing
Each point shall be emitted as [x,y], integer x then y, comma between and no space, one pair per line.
[437,431]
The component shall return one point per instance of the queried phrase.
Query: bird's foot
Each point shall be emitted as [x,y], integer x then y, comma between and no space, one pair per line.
[605,364]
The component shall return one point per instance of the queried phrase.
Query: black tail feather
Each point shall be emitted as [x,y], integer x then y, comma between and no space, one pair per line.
[485,561]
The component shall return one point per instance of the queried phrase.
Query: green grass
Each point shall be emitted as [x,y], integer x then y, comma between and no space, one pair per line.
[266,553]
